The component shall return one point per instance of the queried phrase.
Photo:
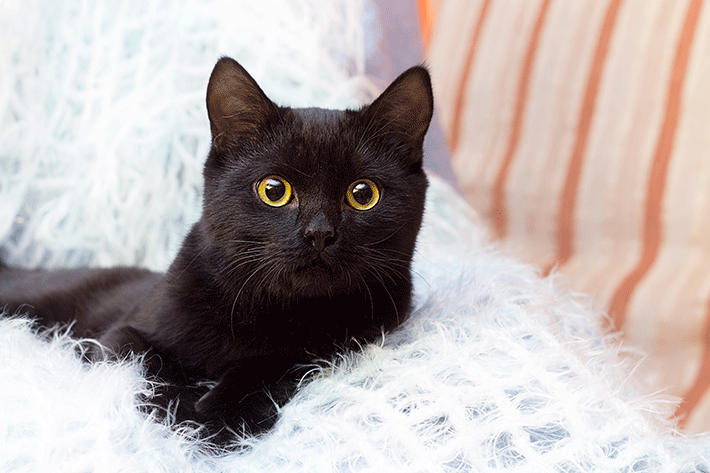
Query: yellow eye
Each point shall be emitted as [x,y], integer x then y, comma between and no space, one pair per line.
[363,194]
[274,191]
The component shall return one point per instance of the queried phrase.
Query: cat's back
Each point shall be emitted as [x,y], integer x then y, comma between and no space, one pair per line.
[92,297]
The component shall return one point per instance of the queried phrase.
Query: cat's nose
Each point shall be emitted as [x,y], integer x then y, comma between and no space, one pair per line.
[320,232]
[320,239]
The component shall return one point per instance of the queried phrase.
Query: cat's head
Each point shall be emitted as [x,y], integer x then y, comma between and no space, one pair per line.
[308,202]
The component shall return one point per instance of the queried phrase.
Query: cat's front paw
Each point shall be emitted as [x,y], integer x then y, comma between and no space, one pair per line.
[207,403]
[116,344]
[254,413]
[93,352]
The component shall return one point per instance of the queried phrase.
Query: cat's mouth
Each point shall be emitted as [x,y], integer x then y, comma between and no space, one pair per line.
[316,265]
[317,275]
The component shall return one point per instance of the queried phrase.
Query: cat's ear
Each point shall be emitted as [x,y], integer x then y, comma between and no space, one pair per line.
[407,105]
[236,105]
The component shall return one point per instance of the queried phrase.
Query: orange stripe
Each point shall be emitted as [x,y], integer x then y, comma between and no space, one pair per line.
[499,210]
[565,220]
[461,91]
[702,381]
[425,21]
[657,181]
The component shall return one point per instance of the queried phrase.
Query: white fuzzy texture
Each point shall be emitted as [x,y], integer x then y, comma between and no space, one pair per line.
[103,126]
[102,138]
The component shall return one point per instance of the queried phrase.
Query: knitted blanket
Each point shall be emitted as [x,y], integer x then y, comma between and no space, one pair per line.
[103,133]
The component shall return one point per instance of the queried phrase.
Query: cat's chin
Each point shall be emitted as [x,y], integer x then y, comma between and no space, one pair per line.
[313,279]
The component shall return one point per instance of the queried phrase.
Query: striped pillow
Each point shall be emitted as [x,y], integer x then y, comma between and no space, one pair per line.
[581,131]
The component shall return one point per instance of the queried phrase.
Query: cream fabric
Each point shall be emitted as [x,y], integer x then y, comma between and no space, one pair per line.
[581,132]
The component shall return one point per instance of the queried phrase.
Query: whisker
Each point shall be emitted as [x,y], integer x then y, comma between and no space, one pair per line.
[246,257]
[385,271]
[241,289]
[376,253]
[270,276]
[387,237]
[390,264]
[189,264]
[384,286]
[394,251]
[372,301]
[242,262]
[249,242]
[299,171]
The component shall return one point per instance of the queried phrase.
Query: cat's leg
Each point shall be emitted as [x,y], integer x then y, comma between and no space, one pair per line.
[249,395]
[117,343]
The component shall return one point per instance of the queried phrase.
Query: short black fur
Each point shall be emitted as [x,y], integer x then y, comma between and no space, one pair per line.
[258,291]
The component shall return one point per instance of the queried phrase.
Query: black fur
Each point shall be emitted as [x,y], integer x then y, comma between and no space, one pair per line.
[256,292]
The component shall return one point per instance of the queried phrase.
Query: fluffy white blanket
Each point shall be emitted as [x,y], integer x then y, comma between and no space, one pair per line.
[102,137]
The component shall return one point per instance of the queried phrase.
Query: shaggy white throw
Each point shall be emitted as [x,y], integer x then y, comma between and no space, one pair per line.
[103,133]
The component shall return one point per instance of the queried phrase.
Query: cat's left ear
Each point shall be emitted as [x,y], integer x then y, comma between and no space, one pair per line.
[407,105]
[236,105]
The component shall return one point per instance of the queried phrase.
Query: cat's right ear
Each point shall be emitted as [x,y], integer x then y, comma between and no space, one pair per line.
[407,105]
[236,105]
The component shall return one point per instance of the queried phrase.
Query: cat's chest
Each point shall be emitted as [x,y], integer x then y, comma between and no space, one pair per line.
[302,331]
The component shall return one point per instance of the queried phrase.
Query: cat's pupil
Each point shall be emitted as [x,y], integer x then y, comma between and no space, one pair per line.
[274,190]
[362,193]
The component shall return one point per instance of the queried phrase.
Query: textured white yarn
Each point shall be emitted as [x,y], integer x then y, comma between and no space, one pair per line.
[102,112]
[102,138]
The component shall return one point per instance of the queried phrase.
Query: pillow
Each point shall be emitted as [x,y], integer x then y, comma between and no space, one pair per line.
[581,133]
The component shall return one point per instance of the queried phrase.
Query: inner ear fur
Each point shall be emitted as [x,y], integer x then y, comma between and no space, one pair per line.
[407,105]
[236,105]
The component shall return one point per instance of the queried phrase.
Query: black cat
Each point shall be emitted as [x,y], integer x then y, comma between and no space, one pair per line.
[303,249]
